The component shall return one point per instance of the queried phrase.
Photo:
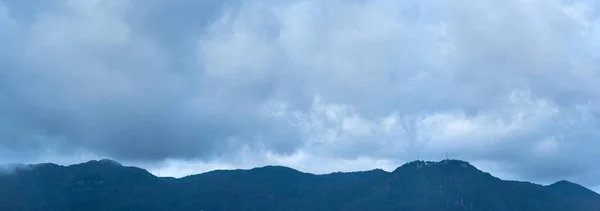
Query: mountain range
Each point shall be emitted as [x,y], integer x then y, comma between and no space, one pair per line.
[448,185]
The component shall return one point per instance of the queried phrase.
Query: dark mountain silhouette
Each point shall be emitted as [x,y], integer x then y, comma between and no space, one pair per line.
[449,185]
[575,194]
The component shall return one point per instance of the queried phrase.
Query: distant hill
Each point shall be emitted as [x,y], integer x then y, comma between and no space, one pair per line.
[449,185]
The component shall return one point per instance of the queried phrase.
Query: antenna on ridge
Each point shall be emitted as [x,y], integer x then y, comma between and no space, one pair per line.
[446,156]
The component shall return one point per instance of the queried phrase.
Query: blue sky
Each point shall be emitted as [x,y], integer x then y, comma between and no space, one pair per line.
[186,86]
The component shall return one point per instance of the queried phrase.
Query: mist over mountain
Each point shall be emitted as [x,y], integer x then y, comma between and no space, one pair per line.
[448,185]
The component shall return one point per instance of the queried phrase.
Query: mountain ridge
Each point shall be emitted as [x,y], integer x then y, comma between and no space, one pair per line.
[22,166]
[451,185]
[418,163]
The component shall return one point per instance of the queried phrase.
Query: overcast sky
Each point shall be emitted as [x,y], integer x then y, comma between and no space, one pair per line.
[185,86]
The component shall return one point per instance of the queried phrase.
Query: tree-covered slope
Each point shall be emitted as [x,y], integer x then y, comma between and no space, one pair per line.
[449,185]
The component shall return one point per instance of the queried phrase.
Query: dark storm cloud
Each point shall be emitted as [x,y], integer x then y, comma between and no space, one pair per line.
[96,83]
[304,82]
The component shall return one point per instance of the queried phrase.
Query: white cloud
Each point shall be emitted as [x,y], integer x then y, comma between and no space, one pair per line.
[4,14]
[546,147]
[7,24]
[478,80]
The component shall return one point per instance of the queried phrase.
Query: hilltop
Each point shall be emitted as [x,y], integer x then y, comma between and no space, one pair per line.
[448,185]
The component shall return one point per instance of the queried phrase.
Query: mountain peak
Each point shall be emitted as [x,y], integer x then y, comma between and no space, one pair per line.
[419,164]
[562,182]
[101,162]
[571,188]
[582,197]
[110,162]
[274,168]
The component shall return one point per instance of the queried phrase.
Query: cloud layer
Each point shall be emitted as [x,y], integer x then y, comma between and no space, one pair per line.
[318,85]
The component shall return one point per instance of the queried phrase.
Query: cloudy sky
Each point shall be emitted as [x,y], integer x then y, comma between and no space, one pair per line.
[186,86]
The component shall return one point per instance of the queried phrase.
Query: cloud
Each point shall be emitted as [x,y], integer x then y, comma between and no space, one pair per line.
[342,84]
[5,18]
